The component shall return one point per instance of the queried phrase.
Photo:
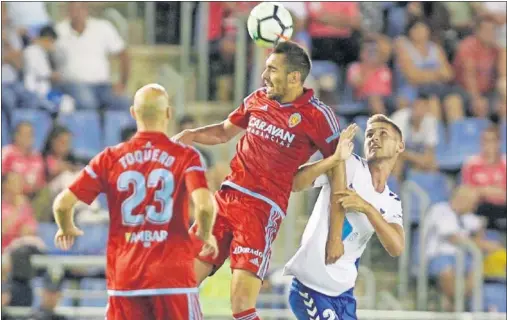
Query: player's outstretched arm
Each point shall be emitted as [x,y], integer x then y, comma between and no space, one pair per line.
[210,135]
[307,173]
[205,217]
[63,211]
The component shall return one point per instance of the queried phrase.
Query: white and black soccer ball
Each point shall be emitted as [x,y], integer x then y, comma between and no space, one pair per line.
[269,23]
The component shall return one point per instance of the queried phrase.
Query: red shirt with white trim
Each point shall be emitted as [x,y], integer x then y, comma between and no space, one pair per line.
[29,166]
[147,181]
[279,138]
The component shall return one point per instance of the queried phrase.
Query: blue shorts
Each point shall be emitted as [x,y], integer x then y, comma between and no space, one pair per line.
[439,264]
[308,304]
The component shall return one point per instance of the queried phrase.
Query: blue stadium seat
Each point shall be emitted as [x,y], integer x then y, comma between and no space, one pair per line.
[46,231]
[361,122]
[342,121]
[6,134]
[464,141]
[359,139]
[40,120]
[114,123]
[503,136]
[96,285]
[434,184]
[495,296]
[94,240]
[86,130]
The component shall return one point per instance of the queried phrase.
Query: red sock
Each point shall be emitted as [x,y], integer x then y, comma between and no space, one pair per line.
[250,314]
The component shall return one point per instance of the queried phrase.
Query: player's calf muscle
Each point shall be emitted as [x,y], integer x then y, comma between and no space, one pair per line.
[245,290]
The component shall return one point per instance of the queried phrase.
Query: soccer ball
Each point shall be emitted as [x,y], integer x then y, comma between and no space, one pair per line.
[269,23]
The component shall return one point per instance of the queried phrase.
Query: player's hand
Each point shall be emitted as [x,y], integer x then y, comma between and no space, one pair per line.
[334,250]
[351,201]
[64,240]
[209,247]
[345,145]
[185,137]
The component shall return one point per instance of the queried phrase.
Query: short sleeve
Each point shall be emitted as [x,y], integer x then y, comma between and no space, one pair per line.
[195,173]
[326,129]
[239,117]
[114,41]
[395,213]
[90,181]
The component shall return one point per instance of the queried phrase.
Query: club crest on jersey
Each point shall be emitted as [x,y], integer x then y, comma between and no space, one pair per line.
[294,120]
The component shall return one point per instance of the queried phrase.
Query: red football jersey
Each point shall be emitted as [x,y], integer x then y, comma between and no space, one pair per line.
[279,138]
[147,181]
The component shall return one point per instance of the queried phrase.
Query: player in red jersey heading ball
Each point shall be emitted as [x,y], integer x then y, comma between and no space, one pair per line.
[147,181]
[285,124]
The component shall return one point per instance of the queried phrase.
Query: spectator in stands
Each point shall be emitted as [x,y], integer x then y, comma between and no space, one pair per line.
[422,67]
[38,72]
[501,103]
[57,153]
[17,213]
[51,295]
[83,49]
[461,15]
[447,225]
[420,133]
[371,79]
[20,157]
[497,11]
[331,26]
[18,255]
[477,68]
[487,173]
[28,17]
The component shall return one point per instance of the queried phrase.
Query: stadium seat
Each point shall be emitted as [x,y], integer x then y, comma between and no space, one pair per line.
[6,134]
[40,120]
[98,285]
[434,184]
[503,136]
[95,240]
[495,295]
[114,123]
[46,231]
[464,141]
[86,130]
[359,139]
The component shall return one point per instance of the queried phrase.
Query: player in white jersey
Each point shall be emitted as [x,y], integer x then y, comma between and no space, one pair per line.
[323,288]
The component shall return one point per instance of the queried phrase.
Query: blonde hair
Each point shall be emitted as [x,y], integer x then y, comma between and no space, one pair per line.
[384,119]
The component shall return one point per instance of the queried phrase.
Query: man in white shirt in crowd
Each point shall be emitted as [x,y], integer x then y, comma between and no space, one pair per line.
[38,72]
[420,133]
[447,224]
[324,281]
[83,49]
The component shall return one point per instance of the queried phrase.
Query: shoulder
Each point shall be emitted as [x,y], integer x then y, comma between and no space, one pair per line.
[257,94]
[473,161]
[322,112]
[9,151]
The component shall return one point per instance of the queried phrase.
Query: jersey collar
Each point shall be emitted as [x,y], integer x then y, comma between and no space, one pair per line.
[303,100]
[150,135]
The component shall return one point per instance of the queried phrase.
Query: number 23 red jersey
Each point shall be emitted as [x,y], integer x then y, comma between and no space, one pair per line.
[147,181]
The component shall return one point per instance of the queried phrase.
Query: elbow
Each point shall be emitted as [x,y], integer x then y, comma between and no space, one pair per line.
[396,251]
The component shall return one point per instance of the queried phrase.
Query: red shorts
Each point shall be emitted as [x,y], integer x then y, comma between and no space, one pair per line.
[245,228]
[177,306]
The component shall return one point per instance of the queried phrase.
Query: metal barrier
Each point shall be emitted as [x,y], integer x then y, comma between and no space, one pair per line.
[240,65]
[202,51]
[149,22]
[407,189]
[185,35]
[477,258]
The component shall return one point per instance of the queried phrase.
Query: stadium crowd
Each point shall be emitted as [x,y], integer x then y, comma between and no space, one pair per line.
[437,68]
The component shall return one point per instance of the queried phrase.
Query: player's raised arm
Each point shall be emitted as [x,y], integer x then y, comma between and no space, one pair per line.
[210,135]
[309,172]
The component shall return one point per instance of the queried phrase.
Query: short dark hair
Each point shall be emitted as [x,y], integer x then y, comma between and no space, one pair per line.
[385,119]
[296,56]
[48,31]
